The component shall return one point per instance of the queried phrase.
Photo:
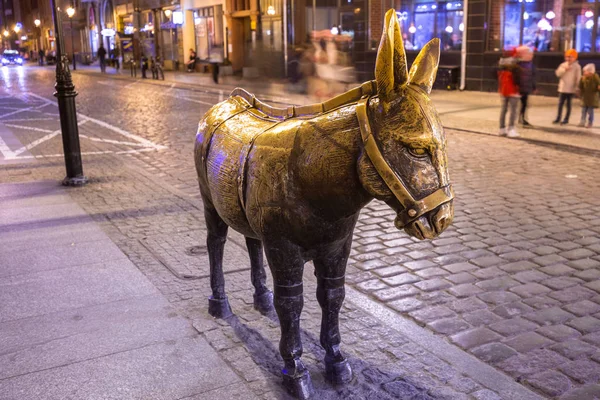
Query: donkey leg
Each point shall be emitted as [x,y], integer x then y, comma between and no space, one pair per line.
[330,270]
[287,266]
[218,305]
[263,297]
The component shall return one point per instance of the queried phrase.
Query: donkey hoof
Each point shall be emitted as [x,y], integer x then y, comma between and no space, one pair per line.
[219,308]
[263,302]
[299,386]
[338,372]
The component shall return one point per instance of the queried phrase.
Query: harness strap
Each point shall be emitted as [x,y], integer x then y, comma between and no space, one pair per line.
[413,209]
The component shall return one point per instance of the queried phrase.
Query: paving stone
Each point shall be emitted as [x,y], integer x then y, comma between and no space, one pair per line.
[498,297]
[488,273]
[464,290]
[401,279]
[501,283]
[530,276]
[460,267]
[549,316]
[448,326]
[431,272]
[490,261]
[432,313]
[576,254]
[405,305]
[512,309]
[420,264]
[592,338]
[493,353]
[466,305]
[533,362]
[529,289]
[572,295]
[544,250]
[584,392]
[587,275]
[559,333]
[481,317]
[485,394]
[394,293]
[573,349]
[463,277]
[582,371]
[557,270]
[433,284]
[370,264]
[585,324]
[518,255]
[474,337]
[551,383]
[510,327]
[594,285]
[549,259]
[584,264]
[541,302]
[528,341]
[583,307]
[371,285]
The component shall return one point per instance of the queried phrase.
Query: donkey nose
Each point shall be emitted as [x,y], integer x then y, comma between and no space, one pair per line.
[443,218]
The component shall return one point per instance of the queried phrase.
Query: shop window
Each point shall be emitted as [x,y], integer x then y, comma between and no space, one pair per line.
[422,21]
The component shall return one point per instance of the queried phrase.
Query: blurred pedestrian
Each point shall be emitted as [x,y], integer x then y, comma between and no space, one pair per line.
[41,55]
[191,64]
[102,57]
[508,86]
[569,74]
[145,66]
[588,88]
[527,80]
[114,56]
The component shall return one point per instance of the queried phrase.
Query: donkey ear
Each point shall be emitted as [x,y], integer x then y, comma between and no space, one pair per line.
[424,69]
[390,66]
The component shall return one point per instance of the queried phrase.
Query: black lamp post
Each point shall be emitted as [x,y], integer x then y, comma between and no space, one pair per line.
[65,94]
[71,13]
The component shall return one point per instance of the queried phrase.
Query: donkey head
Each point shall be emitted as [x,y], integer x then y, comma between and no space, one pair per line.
[409,137]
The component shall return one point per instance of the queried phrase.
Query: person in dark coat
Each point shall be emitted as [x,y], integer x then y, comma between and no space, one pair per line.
[41,55]
[102,58]
[589,86]
[527,80]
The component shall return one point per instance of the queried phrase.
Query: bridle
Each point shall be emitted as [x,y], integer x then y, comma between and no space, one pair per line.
[413,208]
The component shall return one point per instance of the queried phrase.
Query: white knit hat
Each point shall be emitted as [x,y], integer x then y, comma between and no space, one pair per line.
[589,68]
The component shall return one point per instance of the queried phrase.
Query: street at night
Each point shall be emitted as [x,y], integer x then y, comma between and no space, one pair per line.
[503,305]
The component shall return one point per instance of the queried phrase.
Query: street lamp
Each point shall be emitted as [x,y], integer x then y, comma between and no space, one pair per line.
[70,13]
[6,33]
[65,94]
[37,24]
[168,13]
[17,29]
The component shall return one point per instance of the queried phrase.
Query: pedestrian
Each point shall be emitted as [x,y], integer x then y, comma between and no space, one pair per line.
[191,65]
[102,57]
[569,74]
[114,55]
[41,57]
[527,80]
[589,86]
[508,86]
[144,66]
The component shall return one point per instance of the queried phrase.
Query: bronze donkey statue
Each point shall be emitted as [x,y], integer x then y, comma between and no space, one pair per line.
[294,181]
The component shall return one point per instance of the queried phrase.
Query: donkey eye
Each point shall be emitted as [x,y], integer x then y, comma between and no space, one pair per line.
[417,152]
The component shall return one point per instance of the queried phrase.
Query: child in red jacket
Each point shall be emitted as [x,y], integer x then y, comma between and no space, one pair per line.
[508,87]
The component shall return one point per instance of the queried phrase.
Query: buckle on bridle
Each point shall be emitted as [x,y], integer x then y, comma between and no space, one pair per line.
[414,210]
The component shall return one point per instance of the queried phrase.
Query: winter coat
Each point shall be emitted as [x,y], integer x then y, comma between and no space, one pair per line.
[589,90]
[569,79]
[528,77]
[509,75]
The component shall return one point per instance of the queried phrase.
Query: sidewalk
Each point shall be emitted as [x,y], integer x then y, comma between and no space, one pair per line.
[78,320]
[476,112]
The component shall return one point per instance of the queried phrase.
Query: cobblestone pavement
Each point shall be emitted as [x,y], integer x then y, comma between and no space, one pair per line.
[515,281]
